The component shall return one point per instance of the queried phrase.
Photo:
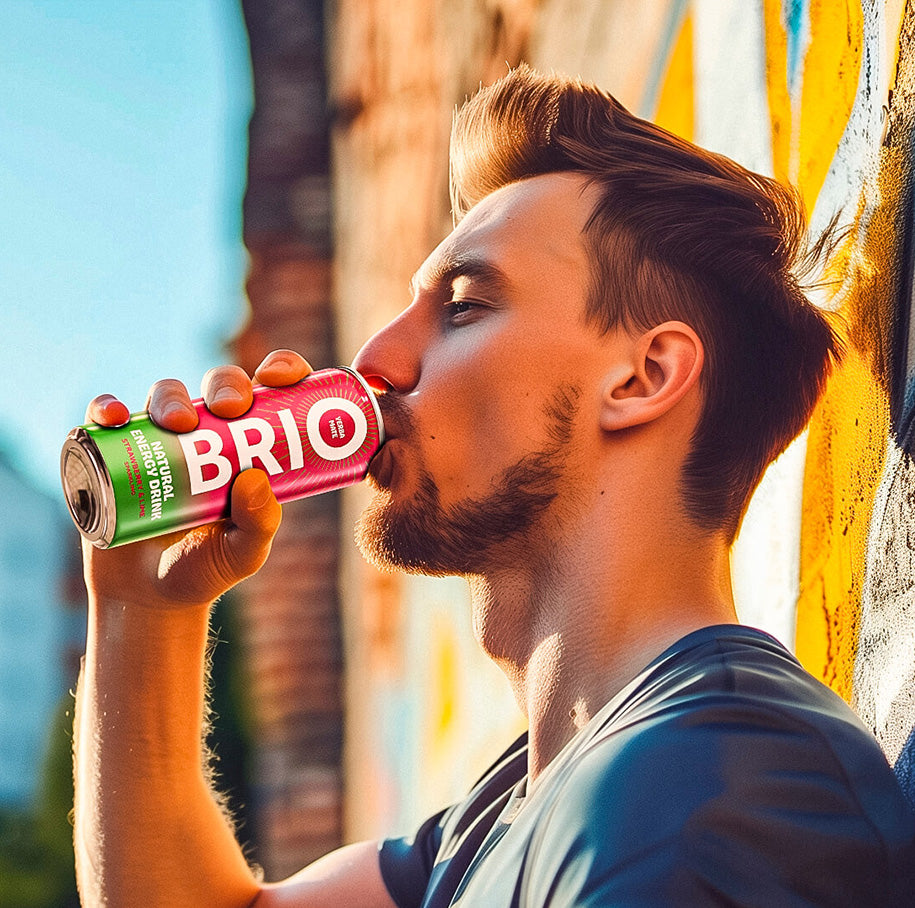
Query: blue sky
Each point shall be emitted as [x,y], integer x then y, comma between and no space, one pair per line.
[122,166]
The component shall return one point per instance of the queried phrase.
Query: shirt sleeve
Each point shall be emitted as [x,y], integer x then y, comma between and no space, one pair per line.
[435,858]
[406,863]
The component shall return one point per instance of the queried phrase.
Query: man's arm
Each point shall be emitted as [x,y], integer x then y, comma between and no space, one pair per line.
[148,829]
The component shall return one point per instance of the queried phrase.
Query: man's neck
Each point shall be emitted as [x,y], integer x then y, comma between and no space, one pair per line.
[571,631]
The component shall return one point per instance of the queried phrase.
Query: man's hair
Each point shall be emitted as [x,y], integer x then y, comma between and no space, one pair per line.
[677,233]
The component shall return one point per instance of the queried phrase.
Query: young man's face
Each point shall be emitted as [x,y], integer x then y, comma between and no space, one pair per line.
[494,381]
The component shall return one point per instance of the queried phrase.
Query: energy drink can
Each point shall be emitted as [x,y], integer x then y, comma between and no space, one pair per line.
[139,480]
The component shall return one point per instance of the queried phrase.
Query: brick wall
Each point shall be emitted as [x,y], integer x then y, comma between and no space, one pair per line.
[289,611]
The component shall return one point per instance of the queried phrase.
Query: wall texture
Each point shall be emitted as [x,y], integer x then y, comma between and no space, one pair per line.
[817,92]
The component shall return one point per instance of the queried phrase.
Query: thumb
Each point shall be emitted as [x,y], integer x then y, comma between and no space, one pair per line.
[255,518]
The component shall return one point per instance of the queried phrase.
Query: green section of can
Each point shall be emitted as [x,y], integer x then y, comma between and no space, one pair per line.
[148,490]
[135,467]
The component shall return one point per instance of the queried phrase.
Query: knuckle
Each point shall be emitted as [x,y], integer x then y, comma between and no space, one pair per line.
[227,373]
[235,562]
[169,385]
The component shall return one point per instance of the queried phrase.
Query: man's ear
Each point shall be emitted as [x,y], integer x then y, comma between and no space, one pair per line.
[661,366]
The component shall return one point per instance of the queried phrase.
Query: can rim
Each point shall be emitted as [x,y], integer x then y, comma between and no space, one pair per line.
[79,444]
[372,396]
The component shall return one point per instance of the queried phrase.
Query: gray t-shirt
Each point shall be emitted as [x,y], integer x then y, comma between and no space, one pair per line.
[723,774]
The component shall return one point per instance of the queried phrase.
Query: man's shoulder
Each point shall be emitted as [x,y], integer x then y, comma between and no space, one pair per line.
[729,708]
[723,762]
[720,680]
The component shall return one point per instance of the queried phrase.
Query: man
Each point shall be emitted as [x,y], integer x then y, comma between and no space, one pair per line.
[595,369]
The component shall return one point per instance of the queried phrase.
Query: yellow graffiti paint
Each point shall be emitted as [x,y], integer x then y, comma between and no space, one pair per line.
[893,16]
[849,432]
[812,81]
[808,125]
[845,453]
[676,109]
[831,71]
[780,110]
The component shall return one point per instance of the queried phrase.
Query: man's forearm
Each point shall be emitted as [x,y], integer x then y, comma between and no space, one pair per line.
[148,830]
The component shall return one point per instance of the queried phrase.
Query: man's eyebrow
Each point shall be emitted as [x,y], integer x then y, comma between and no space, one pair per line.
[448,269]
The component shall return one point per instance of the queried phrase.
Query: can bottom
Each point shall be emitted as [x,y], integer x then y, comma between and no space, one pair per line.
[85,483]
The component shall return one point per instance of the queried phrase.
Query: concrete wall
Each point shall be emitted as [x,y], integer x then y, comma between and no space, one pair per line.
[816,92]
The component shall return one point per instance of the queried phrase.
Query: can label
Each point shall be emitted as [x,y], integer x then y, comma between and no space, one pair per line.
[314,436]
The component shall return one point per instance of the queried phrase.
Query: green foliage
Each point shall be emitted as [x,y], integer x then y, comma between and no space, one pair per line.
[230,734]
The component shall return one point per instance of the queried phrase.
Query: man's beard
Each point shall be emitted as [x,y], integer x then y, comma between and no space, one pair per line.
[421,537]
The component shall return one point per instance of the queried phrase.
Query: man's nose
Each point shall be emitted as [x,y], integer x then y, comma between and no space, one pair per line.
[391,358]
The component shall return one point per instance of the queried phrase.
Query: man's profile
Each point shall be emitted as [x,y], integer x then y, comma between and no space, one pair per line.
[596,367]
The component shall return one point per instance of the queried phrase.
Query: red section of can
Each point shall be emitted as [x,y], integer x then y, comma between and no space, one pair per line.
[139,480]
[317,435]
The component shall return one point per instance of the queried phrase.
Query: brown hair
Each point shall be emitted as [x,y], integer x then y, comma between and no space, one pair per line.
[678,233]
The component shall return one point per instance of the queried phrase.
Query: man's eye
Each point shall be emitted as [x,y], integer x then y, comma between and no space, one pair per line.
[460,310]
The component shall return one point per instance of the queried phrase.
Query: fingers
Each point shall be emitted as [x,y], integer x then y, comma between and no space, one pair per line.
[170,406]
[193,567]
[282,367]
[107,410]
[227,391]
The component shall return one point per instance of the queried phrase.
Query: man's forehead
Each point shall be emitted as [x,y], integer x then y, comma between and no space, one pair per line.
[544,195]
[543,215]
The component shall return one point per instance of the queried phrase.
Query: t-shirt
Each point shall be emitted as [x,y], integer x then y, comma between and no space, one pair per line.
[723,774]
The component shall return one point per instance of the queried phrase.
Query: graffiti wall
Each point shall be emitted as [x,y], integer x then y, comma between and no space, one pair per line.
[817,92]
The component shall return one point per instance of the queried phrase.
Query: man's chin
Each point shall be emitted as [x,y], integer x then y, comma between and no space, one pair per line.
[411,531]
[391,537]
[373,532]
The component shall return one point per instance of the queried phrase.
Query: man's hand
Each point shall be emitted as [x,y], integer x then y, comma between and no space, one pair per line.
[147,829]
[195,567]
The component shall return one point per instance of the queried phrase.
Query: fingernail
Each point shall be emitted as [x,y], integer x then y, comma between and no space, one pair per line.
[175,408]
[116,411]
[259,498]
[227,395]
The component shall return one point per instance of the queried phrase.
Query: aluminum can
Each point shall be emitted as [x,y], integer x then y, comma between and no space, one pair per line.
[139,480]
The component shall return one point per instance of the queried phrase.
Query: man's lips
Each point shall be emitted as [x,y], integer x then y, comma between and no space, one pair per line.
[398,424]
[381,468]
